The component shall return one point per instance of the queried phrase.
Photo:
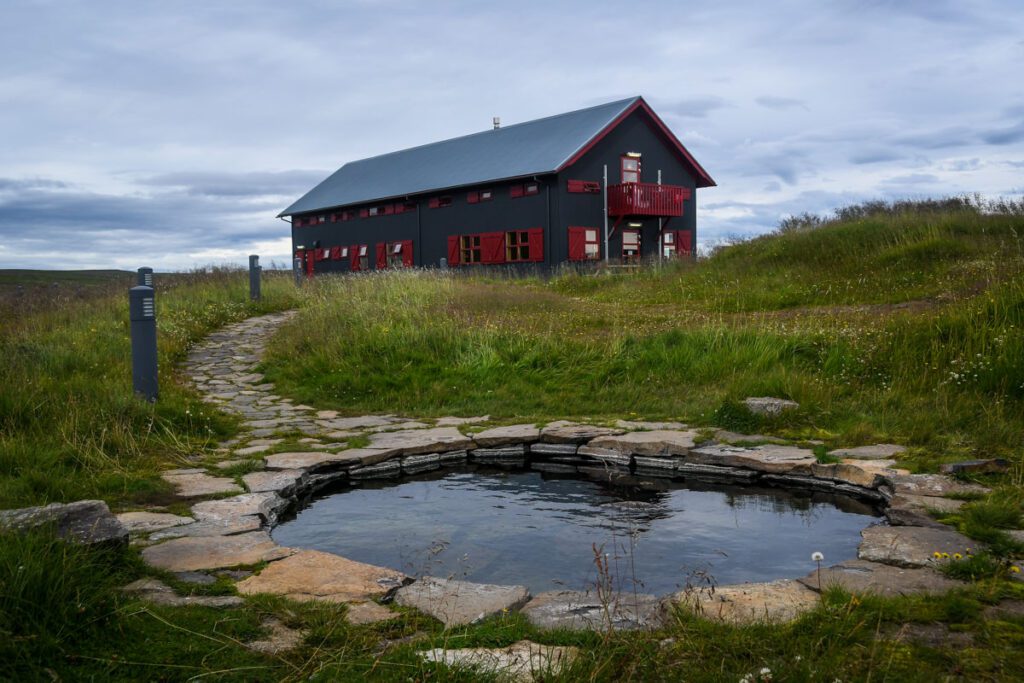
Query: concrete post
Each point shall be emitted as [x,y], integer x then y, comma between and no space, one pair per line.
[145,277]
[142,313]
[297,270]
[255,270]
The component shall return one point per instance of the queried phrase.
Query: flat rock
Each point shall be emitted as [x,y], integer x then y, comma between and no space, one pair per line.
[284,482]
[507,436]
[910,546]
[520,662]
[211,527]
[254,449]
[198,578]
[562,431]
[768,405]
[280,639]
[193,484]
[383,470]
[869,474]
[878,451]
[859,576]
[553,449]
[363,422]
[85,521]
[417,441]
[414,464]
[633,425]
[934,485]
[455,603]
[725,436]
[266,505]
[228,464]
[655,443]
[767,458]
[214,552]
[905,509]
[314,575]
[450,421]
[575,610]
[147,522]
[774,601]
[361,613]
[986,466]
[411,424]
[317,460]
[159,593]
[606,456]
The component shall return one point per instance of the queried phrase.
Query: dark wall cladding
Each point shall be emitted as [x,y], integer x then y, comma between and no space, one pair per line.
[552,210]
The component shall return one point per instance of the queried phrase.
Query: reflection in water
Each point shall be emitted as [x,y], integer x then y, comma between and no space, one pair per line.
[499,526]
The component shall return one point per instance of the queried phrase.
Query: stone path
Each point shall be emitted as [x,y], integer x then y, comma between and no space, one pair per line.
[287,451]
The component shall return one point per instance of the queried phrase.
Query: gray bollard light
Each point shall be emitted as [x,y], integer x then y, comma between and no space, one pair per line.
[145,277]
[255,270]
[142,313]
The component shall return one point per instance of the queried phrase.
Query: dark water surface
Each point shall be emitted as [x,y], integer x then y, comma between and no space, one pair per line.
[525,527]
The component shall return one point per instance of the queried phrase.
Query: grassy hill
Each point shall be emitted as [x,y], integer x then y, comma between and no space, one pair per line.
[902,323]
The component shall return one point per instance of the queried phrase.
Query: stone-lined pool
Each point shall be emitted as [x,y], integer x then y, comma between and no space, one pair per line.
[539,530]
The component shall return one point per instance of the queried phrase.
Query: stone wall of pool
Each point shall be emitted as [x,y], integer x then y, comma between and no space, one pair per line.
[225,532]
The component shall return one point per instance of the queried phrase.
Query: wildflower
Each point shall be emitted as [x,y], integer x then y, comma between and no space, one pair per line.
[765,674]
[945,556]
[937,555]
[1015,569]
[817,557]
[957,556]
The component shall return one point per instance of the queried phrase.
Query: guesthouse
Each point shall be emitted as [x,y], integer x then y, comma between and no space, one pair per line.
[607,183]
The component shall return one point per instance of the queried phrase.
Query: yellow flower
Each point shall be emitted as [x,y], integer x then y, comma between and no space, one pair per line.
[1015,569]
[937,555]
[945,555]
[957,556]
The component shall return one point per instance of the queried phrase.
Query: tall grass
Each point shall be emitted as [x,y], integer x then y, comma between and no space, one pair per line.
[69,425]
[832,317]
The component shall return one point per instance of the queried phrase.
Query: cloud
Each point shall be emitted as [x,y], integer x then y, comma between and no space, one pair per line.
[1004,136]
[696,107]
[874,156]
[774,102]
[250,184]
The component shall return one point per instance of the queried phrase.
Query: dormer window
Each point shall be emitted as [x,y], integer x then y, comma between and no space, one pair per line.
[631,168]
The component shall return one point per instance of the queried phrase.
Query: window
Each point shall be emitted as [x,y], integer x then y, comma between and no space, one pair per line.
[517,246]
[524,190]
[583,244]
[630,246]
[630,169]
[400,254]
[359,258]
[439,202]
[668,244]
[470,249]
[476,197]
[587,186]
[405,207]
[531,188]
[375,211]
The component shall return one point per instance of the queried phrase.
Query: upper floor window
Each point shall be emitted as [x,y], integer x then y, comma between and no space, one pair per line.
[630,168]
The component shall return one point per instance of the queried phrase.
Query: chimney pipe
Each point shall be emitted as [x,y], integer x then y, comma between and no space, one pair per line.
[497,122]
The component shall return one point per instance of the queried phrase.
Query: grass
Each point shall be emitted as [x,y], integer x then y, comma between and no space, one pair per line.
[892,322]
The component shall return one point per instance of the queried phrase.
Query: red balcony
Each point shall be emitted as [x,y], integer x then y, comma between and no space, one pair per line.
[646,199]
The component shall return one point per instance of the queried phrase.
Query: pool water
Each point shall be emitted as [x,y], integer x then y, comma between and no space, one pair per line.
[541,530]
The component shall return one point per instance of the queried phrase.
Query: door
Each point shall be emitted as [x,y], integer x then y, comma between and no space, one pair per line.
[310,260]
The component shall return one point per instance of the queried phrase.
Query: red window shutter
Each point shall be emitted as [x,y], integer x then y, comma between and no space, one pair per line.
[516,191]
[335,253]
[364,213]
[382,255]
[492,247]
[434,202]
[453,250]
[472,197]
[684,246]
[536,244]
[577,244]
[407,259]
[389,209]
[353,257]
[576,186]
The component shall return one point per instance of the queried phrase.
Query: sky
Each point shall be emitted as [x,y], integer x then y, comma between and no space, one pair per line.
[171,133]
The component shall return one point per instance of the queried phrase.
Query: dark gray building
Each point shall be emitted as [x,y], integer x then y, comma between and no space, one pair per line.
[609,182]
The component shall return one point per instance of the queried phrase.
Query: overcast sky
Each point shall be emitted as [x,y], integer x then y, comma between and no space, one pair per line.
[170,133]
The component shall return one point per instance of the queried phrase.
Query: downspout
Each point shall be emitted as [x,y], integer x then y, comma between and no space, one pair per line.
[547,236]
[661,237]
[419,233]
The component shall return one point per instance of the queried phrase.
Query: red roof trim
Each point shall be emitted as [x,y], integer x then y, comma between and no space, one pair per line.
[703,179]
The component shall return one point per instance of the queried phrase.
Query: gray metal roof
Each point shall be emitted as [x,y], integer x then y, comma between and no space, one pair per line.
[523,149]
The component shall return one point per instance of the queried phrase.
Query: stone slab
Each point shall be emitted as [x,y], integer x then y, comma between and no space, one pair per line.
[859,576]
[159,593]
[910,546]
[878,451]
[450,421]
[317,460]
[715,472]
[283,482]
[520,662]
[769,458]
[726,436]
[363,422]
[507,436]
[905,509]
[934,485]
[417,441]
[563,431]
[87,522]
[773,601]
[362,613]
[148,522]
[455,603]
[314,575]
[986,466]
[655,443]
[869,474]
[575,610]
[769,405]
[383,470]
[606,456]
[553,449]
[211,527]
[214,552]
[633,425]
[266,505]
[414,464]
[194,484]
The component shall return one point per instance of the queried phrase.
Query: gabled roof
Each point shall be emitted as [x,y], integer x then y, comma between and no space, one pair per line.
[522,150]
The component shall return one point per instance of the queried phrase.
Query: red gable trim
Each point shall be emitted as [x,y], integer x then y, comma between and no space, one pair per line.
[703,179]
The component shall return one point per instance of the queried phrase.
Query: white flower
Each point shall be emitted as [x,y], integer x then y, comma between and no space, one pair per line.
[817,556]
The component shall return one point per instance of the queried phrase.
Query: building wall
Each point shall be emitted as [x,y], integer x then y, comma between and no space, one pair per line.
[637,133]
[553,209]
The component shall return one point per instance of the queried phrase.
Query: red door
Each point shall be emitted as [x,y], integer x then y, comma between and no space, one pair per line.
[310,260]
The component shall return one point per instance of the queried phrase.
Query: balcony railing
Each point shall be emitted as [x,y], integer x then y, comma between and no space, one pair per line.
[646,199]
